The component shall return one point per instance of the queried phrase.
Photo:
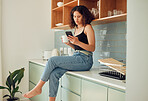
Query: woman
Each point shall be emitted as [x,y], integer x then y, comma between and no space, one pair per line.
[83,42]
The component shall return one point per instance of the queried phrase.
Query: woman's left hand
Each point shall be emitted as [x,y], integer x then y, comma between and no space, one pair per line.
[73,40]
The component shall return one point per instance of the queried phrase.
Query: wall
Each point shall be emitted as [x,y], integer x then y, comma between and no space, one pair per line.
[25,34]
[110,41]
[137,50]
[0,51]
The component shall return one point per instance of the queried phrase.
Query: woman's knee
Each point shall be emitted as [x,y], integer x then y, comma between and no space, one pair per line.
[57,73]
[52,59]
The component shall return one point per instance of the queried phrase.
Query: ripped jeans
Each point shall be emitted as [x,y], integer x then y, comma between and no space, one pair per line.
[58,65]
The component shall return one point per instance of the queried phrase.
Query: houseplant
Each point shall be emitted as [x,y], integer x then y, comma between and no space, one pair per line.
[12,83]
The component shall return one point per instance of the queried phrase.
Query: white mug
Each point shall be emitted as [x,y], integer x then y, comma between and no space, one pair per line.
[64,38]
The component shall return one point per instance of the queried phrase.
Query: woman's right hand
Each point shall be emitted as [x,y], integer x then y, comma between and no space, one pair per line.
[69,44]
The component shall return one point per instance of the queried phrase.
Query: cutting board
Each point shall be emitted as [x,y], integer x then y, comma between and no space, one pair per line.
[114,64]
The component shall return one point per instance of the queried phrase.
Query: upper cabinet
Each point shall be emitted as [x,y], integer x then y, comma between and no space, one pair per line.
[105,11]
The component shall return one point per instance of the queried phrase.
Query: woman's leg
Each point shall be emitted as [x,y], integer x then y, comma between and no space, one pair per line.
[71,63]
[52,98]
[75,63]
[36,90]
[55,75]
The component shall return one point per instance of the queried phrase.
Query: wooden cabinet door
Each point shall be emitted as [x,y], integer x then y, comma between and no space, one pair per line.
[115,95]
[69,96]
[93,92]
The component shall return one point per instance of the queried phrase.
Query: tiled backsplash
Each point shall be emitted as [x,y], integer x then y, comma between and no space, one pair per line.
[110,41]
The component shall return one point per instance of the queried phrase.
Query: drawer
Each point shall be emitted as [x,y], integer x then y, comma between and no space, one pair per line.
[115,95]
[36,98]
[44,96]
[35,72]
[69,96]
[93,91]
[31,86]
[72,83]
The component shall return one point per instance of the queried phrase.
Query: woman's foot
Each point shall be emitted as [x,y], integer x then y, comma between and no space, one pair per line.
[52,98]
[32,93]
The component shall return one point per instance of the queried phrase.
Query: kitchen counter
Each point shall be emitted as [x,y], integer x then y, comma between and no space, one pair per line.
[91,75]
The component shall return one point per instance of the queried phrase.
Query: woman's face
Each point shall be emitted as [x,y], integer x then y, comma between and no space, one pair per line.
[77,18]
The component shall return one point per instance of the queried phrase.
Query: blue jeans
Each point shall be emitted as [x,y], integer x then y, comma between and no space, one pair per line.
[58,65]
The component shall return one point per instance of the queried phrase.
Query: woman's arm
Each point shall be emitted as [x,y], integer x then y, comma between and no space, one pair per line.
[91,39]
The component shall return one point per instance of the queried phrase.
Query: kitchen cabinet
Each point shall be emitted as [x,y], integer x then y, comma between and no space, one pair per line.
[62,14]
[115,95]
[75,87]
[71,88]
[79,89]
[93,91]
[44,96]
[35,72]
[69,96]
[72,83]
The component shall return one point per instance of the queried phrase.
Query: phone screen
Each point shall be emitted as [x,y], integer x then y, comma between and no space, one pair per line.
[68,33]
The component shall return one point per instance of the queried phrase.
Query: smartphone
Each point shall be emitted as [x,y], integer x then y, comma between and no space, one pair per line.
[68,33]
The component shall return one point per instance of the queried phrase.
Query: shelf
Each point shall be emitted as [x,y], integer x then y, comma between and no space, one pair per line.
[105,20]
[58,9]
[63,27]
[110,5]
[69,1]
[111,19]
[72,3]
[62,14]
[67,9]
[57,17]
[54,3]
